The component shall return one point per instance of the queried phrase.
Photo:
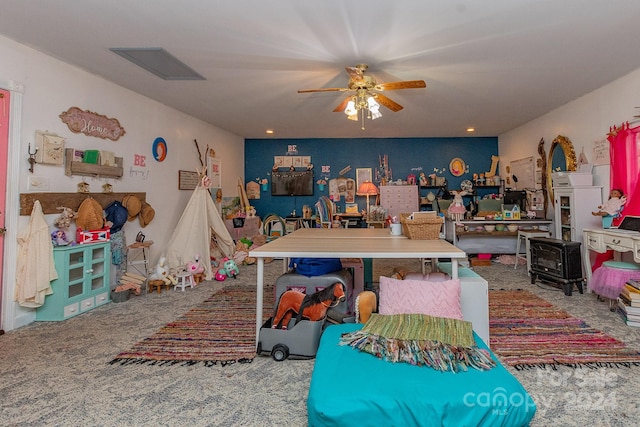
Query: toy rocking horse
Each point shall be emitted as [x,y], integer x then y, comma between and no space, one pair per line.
[311,307]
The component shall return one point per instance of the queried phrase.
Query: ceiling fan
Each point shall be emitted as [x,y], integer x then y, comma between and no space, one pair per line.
[366,87]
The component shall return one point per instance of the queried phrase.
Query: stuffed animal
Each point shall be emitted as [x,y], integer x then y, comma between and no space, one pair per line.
[196,269]
[457,210]
[64,220]
[229,269]
[161,272]
[312,307]
[366,303]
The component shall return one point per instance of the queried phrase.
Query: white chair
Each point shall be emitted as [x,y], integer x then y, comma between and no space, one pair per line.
[526,235]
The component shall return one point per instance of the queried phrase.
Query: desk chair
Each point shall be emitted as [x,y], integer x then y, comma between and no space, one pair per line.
[526,235]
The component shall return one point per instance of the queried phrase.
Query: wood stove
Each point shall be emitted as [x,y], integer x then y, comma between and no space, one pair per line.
[556,261]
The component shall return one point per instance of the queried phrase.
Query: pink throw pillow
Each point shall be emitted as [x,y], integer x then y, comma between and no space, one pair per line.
[441,299]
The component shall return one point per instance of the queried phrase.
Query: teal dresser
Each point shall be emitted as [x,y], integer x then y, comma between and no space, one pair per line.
[82,283]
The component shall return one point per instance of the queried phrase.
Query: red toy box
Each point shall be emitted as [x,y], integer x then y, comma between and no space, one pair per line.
[93,236]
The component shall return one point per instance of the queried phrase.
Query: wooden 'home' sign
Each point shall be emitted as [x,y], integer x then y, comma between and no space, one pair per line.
[92,124]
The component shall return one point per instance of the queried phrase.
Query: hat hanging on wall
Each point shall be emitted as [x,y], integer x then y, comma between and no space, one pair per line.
[133,205]
[146,214]
[90,216]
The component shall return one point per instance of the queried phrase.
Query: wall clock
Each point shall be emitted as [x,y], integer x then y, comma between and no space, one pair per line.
[457,167]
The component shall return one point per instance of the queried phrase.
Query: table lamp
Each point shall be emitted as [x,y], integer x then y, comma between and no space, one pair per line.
[367,188]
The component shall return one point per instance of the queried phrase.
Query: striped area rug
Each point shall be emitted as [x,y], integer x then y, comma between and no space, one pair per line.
[221,330]
[528,332]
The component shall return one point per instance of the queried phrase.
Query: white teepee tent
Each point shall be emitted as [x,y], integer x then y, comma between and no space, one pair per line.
[199,223]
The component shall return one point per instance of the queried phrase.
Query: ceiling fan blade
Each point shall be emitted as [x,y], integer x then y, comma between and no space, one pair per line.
[340,108]
[391,105]
[329,89]
[409,84]
[355,74]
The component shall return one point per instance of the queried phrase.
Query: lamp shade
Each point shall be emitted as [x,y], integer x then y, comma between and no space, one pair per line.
[367,188]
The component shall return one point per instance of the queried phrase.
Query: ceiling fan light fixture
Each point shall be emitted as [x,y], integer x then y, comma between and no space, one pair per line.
[351,110]
[365,103]
[374,108]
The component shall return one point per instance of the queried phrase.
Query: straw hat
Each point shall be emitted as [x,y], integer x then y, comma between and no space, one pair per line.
[133,205]
[90,215]
[146,214]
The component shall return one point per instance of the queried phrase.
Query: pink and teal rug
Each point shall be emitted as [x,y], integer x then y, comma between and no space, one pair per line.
[528,332]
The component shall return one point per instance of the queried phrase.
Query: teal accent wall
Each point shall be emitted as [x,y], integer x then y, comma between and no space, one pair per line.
[406,156]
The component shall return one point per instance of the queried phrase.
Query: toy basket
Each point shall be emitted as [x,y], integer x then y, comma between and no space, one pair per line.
[425,228]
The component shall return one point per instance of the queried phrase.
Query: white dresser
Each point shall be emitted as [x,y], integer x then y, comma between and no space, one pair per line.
[397,199]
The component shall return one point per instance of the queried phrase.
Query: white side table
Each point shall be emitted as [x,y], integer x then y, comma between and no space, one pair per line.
[184,279]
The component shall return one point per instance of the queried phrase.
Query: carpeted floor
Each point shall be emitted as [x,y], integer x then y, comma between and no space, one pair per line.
[58,373]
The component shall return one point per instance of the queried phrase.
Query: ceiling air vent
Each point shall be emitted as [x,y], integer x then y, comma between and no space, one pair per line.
[159,62]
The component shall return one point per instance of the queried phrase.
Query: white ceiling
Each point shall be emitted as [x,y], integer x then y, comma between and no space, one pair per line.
[492,64]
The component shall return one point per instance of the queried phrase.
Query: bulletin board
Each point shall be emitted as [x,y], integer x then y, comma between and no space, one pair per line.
[525,171]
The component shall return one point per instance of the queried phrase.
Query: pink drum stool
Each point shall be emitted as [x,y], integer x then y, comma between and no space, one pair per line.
[609,279]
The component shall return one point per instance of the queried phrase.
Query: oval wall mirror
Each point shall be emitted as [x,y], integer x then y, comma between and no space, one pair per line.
[562,158]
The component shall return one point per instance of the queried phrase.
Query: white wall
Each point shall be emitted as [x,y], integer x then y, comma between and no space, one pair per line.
[583,121]
[52,87]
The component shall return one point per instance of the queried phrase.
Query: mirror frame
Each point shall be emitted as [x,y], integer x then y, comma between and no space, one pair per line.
[543,171]
[563,143]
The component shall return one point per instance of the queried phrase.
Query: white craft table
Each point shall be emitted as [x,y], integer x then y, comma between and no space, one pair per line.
[348,243]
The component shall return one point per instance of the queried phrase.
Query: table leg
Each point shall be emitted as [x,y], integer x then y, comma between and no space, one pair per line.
[454,268]
[367,263]
[259,297]
[587,267]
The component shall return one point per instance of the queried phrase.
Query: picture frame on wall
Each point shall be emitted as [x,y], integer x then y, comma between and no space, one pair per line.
[214,169]
[362,175]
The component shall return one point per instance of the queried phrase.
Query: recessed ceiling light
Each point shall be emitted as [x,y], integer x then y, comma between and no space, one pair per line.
[158,61]
[471,129]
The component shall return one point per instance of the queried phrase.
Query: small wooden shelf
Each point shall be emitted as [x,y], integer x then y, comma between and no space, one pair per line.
[88,169]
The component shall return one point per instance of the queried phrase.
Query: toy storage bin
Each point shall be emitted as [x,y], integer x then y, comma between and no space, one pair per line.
[310,285]
[301,340]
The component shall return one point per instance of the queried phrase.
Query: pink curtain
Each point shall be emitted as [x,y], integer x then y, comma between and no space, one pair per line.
[624,170]
[623,152]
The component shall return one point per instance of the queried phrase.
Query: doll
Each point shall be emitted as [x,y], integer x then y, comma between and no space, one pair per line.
[457,209]
[613,206]
[59,238]
[423,179]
